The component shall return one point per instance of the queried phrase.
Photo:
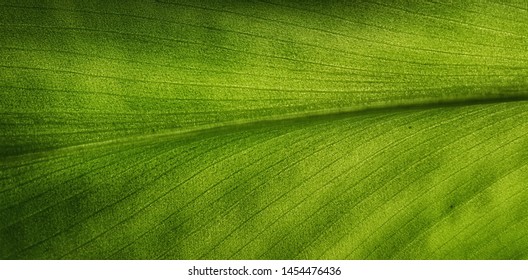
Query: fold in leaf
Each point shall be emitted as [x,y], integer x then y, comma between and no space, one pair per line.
[263,130]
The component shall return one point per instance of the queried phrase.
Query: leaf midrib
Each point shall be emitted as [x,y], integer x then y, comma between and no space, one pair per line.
[282,120]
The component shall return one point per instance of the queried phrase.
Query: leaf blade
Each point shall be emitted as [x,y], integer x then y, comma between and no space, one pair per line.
[268,131]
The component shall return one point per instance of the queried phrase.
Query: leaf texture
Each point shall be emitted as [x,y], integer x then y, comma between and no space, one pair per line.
[263,130]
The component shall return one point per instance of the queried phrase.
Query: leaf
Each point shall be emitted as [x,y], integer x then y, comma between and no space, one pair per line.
[264,130]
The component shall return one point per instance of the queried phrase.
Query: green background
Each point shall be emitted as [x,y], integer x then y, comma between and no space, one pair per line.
[263,130]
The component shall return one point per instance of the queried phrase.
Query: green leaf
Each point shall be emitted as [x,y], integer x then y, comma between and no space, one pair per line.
[264,130]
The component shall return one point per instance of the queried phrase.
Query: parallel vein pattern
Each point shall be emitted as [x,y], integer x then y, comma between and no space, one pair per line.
[263,129]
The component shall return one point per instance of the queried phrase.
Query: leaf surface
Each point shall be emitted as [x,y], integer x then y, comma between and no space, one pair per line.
[263,130]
